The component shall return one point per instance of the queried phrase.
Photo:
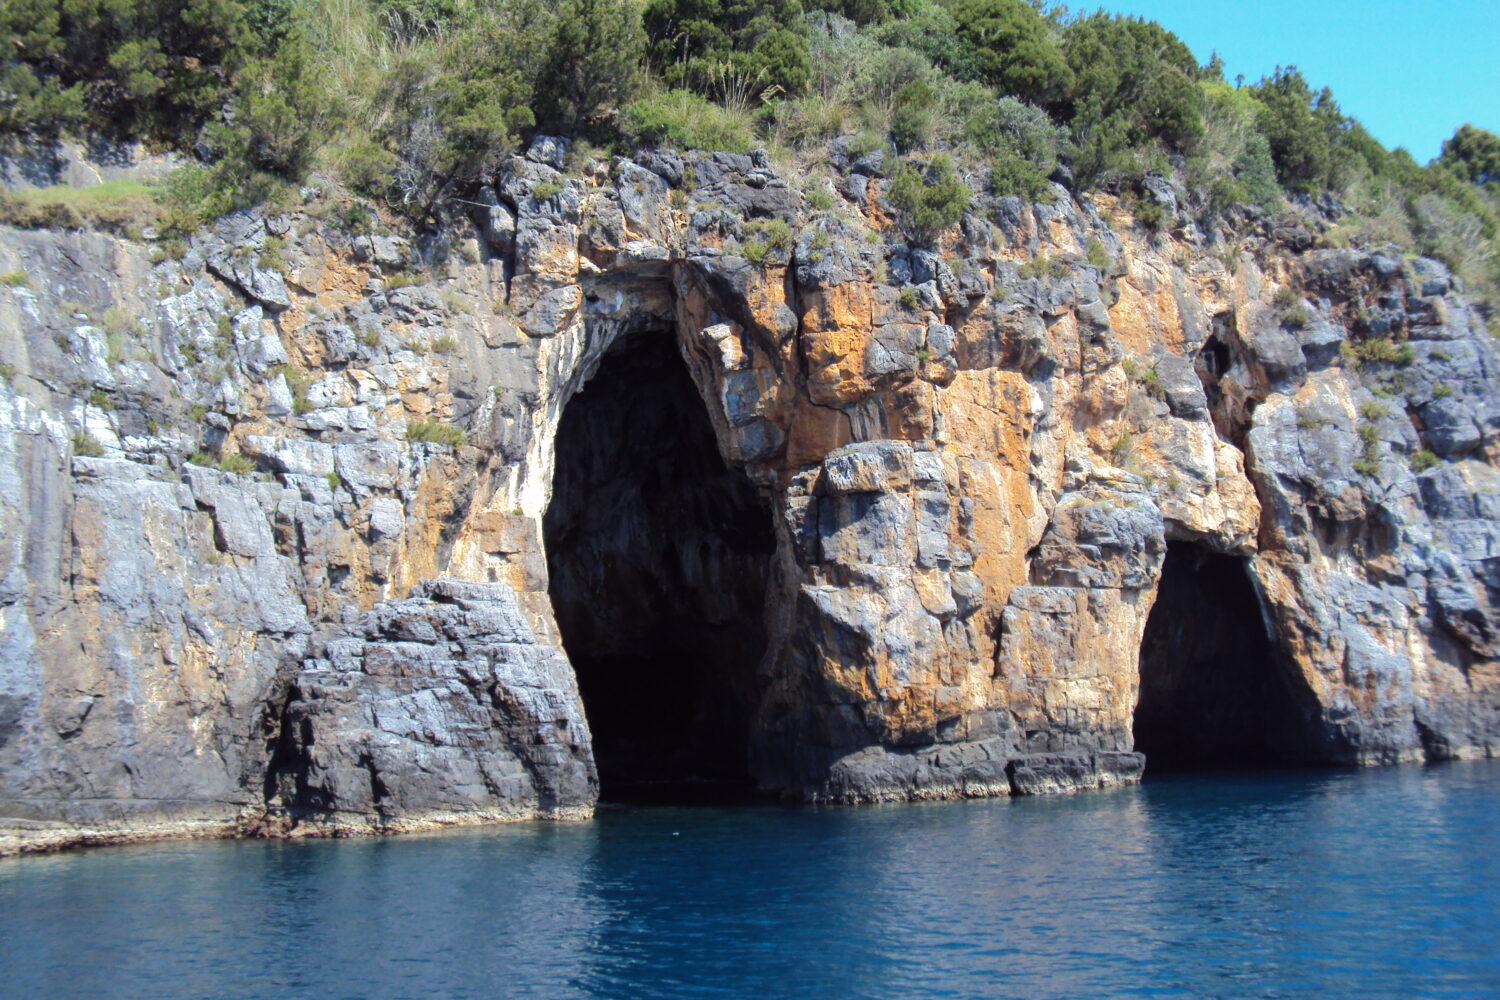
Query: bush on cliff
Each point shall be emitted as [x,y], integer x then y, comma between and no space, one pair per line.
[737,50]
[683,120]
[1011,49]
[1473,154]
[417,101]
[928,203]
[1134,89]
[593,61]
[1231,163]
[123,68]
[1305,129]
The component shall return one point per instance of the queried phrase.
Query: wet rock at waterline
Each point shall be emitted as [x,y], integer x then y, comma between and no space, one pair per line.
[856,521]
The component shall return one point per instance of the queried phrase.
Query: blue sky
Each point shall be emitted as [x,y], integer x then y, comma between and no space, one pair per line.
[1411,72]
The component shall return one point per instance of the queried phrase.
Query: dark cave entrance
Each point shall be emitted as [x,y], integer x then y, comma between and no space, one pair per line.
[658,556]
[1214,692]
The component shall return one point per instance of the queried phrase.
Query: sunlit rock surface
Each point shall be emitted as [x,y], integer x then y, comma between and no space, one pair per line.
[965,467]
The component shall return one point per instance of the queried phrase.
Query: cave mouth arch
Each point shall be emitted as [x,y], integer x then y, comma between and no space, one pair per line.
[1214,691]
[658,557]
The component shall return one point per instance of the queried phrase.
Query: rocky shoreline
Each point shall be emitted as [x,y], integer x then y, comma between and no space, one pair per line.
[276,502]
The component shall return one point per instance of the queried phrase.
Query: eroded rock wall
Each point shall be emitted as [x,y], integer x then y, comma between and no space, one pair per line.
[974,456]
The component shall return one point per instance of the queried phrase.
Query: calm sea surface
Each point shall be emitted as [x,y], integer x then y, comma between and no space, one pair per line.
[1359,884]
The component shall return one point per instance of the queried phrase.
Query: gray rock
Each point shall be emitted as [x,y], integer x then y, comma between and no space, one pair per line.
[549,150]
[262,285]
[443,705]
[496,221]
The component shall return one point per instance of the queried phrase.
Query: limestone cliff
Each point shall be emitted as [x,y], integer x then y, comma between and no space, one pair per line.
[895,531]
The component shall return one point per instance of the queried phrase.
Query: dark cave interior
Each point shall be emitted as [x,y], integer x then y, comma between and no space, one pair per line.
[658,555]
[1214,693]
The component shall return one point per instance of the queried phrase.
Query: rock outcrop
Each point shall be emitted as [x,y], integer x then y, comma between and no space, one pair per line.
[228,465]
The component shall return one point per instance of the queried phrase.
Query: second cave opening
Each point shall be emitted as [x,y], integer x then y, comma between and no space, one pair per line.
[658,555]
[1214,692]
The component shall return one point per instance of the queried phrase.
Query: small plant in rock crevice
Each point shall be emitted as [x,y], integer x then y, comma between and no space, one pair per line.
[436,432]
[86,445]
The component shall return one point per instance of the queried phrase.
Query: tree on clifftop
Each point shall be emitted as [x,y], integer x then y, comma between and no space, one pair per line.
[1473,154]
[126,68]
[1306,130]
[724,48]
[1012,50]
[594,61]
[1134,85]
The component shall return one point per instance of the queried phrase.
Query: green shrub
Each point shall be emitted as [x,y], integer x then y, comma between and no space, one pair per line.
[545,190]
[1134,86]
[1232,159]
[297,384]
[1010,175]
[1042,266]
[1305,130]
[1096,255]
[927,205]
[404,279]
[1150,213]
[683,120]
[1421,461]
[1151,382]
[777,233]
[729,48]
[1381,350]
[1010,48]
[1442,390]
[236,464]
[84,444]
[127,69]
[436,432]
[913,120]
[443,343]
[593,60]
[1148,378]
[1473,154]
[931,29]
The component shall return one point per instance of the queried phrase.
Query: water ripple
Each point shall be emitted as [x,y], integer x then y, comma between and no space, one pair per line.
[1371,885]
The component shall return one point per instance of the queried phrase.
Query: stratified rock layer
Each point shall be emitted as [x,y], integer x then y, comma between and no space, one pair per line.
[974,459]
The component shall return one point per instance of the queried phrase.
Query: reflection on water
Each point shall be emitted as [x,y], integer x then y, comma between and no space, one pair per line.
[1337,884]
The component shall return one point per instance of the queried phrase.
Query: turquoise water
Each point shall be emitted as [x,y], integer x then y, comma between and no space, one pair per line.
[1352,884]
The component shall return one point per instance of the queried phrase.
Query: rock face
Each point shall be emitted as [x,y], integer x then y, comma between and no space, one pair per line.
[442,705]
[962,472]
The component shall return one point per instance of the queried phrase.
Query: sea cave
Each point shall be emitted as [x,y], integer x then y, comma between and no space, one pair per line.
[1214,692]
[658,555]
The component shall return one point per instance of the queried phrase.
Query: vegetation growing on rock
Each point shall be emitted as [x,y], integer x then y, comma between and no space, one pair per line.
[415,101]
